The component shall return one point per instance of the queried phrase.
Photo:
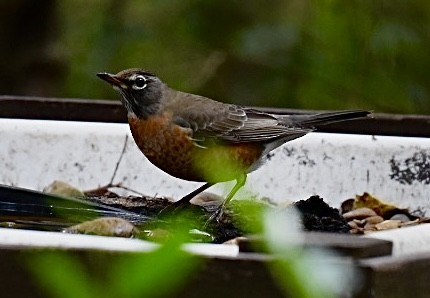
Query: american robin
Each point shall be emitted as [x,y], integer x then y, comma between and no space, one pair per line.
[195,138]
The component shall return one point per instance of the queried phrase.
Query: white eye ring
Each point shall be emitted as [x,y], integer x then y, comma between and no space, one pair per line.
[140,82]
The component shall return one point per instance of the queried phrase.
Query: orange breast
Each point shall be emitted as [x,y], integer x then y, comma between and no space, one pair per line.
[170,148]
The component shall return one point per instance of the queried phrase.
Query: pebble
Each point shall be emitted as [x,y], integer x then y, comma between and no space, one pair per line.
[388,225]
[370,227]
[61,188]
[357,231]
[347,205]
[359,222]
[410,223]
[371,222]
[207,198]
[105,226]
[374,219]
[352,224]
[359,213]
[401,217]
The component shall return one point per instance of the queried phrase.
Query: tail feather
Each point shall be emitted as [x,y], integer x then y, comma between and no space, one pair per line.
[329,117]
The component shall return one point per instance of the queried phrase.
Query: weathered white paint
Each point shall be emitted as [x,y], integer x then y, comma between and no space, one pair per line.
[407,241]
[33,153]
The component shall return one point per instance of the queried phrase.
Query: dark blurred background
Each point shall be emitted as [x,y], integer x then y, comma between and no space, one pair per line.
[321,54]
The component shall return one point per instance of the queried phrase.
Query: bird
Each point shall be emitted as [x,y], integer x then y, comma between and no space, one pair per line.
[196,138]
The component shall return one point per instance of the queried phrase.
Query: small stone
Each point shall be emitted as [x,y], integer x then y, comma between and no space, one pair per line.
[369,231]
[370,227]
[358,231]
[388,225]
[105,226]
[207,198]
[410,223]
[359,213]
[401,217]
[352,224]
[8,224]
[64,189]
[374,219]
[347,205]
[360,222]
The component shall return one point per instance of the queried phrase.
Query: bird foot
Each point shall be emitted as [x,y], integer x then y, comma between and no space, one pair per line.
[217,215]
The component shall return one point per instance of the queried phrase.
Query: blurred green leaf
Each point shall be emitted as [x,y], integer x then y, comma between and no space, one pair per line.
[327,54]
[155,274]
[62,275]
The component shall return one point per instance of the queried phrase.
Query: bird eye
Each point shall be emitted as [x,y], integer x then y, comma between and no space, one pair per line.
[139,82]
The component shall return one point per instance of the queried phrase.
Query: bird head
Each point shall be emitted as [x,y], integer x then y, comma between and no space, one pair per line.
[141,91]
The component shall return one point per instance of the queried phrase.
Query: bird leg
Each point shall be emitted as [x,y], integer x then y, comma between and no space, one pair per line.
[186,199]
[240,182]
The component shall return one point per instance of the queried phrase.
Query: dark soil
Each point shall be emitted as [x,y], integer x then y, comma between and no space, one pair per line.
[240,218]
[317,215]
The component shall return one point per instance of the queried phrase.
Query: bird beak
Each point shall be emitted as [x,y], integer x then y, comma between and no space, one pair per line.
[112,79]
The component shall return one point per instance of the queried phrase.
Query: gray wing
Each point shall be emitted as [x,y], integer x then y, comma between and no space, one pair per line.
[259,127]
[234,124]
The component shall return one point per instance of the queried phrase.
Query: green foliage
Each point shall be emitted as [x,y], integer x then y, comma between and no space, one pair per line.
[155,274]
[218,163]
[327,54]
[62,275]
[301,271]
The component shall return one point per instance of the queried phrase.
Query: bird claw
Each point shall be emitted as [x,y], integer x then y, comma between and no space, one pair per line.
[217,215]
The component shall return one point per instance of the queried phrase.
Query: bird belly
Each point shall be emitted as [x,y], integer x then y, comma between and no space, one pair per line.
[171,148]
[166,145]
